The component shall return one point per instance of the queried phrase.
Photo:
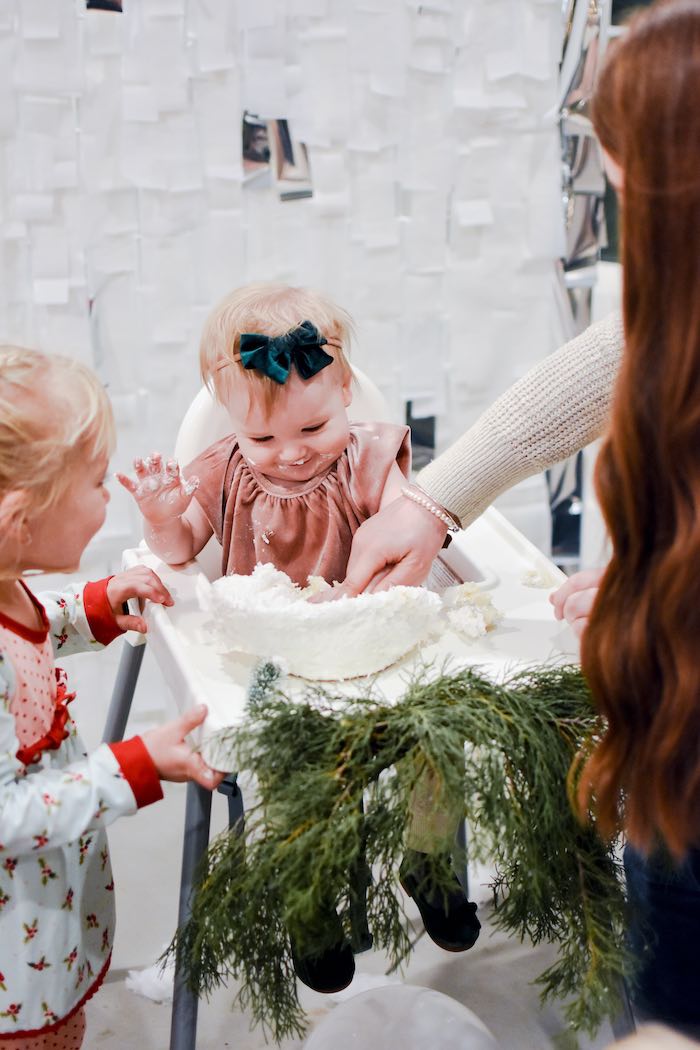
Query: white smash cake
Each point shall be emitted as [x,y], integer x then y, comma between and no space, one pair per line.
[268,615]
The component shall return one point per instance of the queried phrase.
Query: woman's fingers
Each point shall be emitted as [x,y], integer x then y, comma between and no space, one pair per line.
[579,626]
[394,547]
[403,574]
[589,579]
[578,606]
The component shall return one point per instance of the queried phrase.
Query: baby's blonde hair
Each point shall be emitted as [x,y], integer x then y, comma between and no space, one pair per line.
[272,310]
[54,415]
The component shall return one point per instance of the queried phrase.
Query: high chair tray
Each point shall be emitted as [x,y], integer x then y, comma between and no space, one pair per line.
[491,552]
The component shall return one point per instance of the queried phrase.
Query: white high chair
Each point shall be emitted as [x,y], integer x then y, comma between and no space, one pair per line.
[204,423]
[490,552]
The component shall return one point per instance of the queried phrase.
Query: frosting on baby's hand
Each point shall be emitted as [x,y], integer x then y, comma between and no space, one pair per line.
[160,489]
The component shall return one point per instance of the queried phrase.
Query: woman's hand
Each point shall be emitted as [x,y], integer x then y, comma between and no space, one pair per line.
[159,489]
[574,599]
[174,758]
[141,583]
[395,546]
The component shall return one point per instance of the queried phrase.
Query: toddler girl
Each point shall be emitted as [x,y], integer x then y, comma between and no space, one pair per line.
[292,483]
[56,889]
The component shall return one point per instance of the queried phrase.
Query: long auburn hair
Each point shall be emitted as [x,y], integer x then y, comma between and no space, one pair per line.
[641,649]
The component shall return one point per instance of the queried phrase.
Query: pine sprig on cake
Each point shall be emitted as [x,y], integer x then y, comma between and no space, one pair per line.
[336,777]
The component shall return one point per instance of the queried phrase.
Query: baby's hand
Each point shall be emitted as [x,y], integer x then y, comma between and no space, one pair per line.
[141,583]
[174,758]
[160,490]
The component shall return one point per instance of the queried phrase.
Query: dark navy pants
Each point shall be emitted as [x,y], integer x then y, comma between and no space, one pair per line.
[665,937]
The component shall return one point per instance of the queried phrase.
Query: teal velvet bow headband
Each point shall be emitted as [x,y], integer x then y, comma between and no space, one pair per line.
[275,355]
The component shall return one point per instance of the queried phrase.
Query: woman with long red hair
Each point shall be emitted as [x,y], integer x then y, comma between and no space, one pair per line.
[641,647]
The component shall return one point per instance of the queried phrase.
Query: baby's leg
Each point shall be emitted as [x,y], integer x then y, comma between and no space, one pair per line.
[322,955]
[68,1036]
[449,918]
[434,817]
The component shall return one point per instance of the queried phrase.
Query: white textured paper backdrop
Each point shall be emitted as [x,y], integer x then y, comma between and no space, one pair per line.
[435,217]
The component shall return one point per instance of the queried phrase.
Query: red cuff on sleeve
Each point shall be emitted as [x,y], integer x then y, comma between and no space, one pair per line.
[99,614]
[139,769]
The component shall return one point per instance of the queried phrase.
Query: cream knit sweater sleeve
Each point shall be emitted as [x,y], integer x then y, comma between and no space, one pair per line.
[557,407]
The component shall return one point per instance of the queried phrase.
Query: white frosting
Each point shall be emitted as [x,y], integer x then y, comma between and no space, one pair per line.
[470,611]
[539,577]
[269,616]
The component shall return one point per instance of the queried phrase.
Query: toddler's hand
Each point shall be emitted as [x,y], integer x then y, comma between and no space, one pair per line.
[174,758]
[138,582]
[159,489]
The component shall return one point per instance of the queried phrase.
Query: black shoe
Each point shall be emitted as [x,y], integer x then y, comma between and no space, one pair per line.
[450,920]
[331,969]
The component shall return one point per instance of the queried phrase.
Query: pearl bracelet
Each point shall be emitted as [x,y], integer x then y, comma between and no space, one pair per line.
[422,500]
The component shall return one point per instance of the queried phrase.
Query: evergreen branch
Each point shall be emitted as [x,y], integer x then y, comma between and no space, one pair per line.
[336,778]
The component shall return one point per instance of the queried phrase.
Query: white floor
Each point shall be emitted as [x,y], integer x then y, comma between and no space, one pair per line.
[493,979]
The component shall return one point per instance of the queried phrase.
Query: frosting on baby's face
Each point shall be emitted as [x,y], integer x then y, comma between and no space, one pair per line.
[302,435]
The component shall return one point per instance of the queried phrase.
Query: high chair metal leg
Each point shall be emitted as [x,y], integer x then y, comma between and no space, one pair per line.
[463,875]
[360,879]
[623,1023]
[229,787]
[123,692]
[183,1025]
[183,1030]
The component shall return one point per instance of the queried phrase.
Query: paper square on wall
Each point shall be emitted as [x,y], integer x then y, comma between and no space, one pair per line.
[473,213]
[50,291]
[40,19]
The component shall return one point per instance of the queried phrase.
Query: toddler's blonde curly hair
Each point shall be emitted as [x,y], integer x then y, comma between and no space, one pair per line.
[54,416]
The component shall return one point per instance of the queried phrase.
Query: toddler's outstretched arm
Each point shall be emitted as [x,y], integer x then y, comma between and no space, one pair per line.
[176,529]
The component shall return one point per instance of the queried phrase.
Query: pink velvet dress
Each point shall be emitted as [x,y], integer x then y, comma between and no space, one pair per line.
[307,532]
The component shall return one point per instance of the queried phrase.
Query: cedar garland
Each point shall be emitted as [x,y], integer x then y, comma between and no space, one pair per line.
[334,799]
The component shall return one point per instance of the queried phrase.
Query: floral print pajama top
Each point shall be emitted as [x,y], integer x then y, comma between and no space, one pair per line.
[56,889]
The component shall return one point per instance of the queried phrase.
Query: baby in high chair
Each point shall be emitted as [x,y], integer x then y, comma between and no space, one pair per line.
[295,480]
[291,485]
